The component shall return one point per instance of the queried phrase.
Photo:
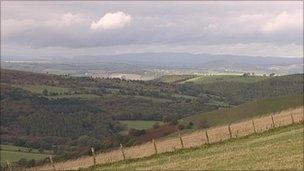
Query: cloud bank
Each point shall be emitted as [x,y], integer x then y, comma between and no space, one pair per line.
[41,28]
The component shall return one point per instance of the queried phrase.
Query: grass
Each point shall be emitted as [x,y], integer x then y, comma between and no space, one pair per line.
[175,78]
[280,148]
[139,124]
[10,153]
[247,110]
[22,149]
[228,78]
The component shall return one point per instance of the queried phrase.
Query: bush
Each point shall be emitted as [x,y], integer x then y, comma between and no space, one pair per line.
[136,132]
[181,126]
[156,125]
[190,125]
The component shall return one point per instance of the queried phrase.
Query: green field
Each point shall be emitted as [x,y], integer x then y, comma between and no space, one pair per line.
[175,78]
[139,124]
[228,78]
[281,148]
[14,153]
[247,110]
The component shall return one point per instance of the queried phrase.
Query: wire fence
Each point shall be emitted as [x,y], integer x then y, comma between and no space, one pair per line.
[195,139]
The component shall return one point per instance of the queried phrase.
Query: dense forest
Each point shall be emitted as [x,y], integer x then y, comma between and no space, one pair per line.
[70,114]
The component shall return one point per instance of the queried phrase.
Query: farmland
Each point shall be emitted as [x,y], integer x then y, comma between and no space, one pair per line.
[227,78]
[247,110]
[71,114]
[14,153]
[281,148]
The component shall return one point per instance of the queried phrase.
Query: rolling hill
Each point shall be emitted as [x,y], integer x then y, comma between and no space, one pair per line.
[248,110]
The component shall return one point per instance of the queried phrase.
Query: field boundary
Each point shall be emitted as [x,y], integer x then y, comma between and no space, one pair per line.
[191,140]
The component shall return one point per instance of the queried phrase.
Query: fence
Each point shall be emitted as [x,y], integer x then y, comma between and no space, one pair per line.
[195,139]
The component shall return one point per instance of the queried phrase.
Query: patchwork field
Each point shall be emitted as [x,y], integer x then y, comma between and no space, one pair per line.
[281,148]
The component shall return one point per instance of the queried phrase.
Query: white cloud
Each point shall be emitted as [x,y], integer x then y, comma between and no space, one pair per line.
[112,21]
[249,17]
[69,18]
[283,21]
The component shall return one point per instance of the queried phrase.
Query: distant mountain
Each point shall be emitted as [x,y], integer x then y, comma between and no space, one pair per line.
[200,61]
[190,61]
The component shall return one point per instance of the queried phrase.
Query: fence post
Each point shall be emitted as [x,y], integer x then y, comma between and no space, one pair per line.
[122,151]
[229,129]
[273,124]
[154,143]
[8,165]
[253,125]
[292,119]
[52,162]
[181,140]
[93,155]
[207,137]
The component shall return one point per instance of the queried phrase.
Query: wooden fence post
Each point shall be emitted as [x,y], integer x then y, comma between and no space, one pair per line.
[229,129]
[207,137]
[52,162]
[292,119]
[8,165]
[181,140]
[253,125]
[93,155]
[122,151]
[273,124]
[154,143]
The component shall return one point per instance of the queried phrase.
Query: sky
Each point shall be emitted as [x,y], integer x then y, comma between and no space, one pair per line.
[67,29]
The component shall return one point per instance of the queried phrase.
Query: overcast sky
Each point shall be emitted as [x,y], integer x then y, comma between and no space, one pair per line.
[66,29]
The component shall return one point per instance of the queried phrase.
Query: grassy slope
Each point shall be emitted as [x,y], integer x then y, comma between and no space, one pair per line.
[139,124]
[175,78]
[229,78]
[281,148]
[10,153]
[247,110]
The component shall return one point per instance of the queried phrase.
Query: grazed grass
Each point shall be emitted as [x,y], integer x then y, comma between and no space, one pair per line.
[281,148]
[139,124]
[22,149]
[228,78]
[247,110]
[10,153]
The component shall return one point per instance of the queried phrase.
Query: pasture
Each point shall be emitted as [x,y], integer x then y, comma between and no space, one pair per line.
[14,153]
[245,111]
[224,78]
[280,148]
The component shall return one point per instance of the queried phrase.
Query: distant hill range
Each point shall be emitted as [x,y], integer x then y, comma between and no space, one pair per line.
[192,61]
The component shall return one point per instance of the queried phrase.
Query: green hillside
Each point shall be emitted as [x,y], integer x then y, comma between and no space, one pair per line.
[175,78]
[281,148]
[247,110]
[227,78]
